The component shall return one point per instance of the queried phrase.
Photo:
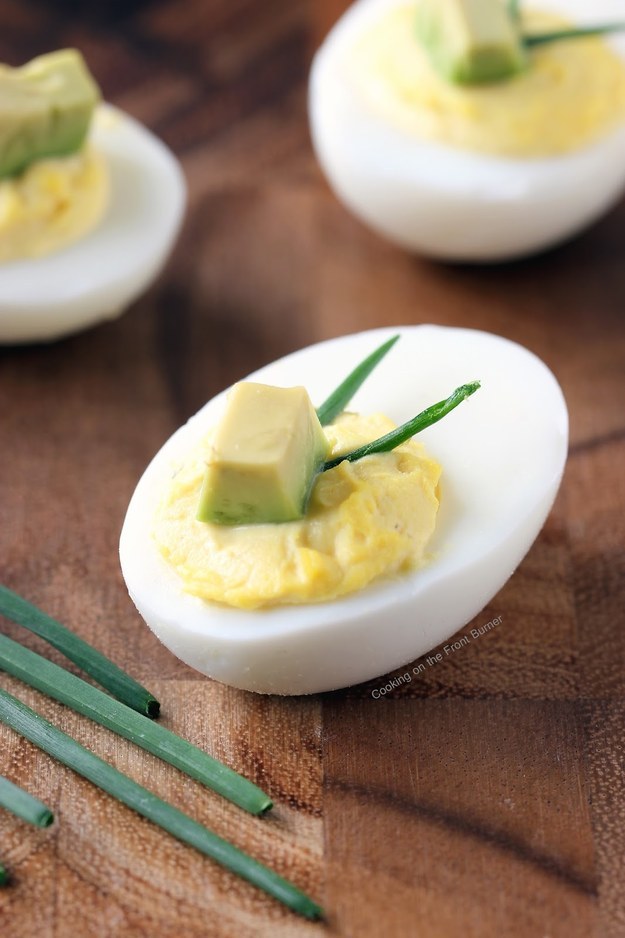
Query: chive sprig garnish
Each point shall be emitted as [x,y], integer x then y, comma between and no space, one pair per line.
[579,32]
[72,691]
[571,32]
[342,395]
[70,753]
[93,662]
[4,876]
[399,435]
[24,805]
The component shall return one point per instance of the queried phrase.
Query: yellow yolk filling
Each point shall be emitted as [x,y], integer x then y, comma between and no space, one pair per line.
[571,93]
[365,520]
[51,204]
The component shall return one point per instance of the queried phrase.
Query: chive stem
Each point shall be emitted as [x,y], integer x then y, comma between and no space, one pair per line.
[514,8]
[54,681]
[93,662]
[581,32]
[26,806]
[407,430]
[4,876]
[342,395]
[69,752]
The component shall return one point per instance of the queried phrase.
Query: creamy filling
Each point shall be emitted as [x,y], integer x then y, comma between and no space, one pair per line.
[369,519]
[52,204]
[571,94]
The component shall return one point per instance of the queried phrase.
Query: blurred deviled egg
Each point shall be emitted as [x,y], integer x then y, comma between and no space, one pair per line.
[90,202]
[473,130]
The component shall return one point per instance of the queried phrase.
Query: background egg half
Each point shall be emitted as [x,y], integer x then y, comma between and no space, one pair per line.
[502,453]
[98,276]
[445,202]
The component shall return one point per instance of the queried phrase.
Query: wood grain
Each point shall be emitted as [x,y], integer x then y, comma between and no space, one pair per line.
[459,817]
[484,798]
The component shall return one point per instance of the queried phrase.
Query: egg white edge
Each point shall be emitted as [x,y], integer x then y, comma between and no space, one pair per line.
[322,646]
[98,276]
[424,178]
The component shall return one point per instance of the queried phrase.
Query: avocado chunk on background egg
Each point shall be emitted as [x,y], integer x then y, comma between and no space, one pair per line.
[45,109]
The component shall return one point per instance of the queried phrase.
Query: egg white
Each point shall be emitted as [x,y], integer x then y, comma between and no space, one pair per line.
[446,202]
[502,452]
[98,276]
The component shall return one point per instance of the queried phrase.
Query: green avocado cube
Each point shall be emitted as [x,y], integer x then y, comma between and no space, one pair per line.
[471,41]
[266,452]
[45,109]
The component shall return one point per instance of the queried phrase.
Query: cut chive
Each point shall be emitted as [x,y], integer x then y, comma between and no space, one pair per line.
[54,681]
[581,32]
[67,751]
[514,8]
[107,674]
[407,430]
[19,802]
[4,876]
[340,398]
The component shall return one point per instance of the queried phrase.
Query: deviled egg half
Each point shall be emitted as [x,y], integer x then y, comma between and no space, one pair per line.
[90,202]
[471,172]
[502,455]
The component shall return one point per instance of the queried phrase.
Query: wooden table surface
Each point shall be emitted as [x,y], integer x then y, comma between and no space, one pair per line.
[487,797]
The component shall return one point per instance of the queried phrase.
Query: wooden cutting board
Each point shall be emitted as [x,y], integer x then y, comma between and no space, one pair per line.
[484,798]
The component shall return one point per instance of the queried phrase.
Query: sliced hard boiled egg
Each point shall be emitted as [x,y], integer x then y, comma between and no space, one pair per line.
[502,454]
[445,200]
[98,276]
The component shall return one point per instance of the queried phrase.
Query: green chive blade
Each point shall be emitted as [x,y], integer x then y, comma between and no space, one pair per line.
[50,679]
[70,753]
[581,32]
[4,876]
[399,435]
[93,662]
[514,8]
[24,805]
[342,395]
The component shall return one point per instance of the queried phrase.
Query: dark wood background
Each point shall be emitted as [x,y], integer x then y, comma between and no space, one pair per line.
[486,798]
